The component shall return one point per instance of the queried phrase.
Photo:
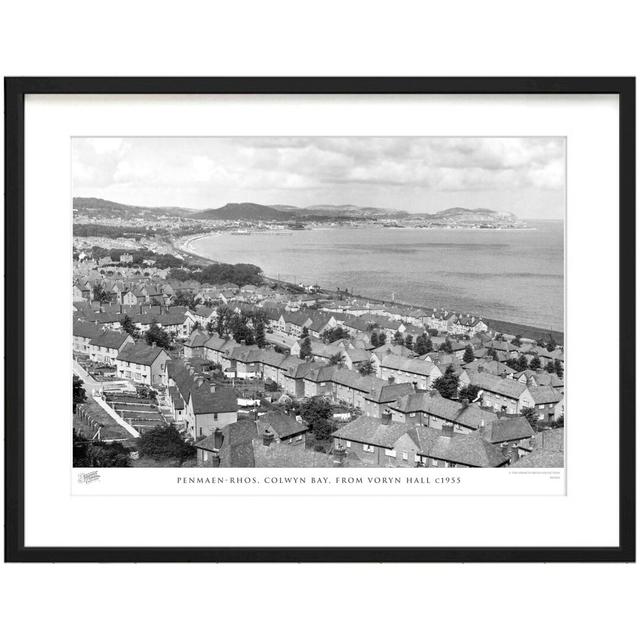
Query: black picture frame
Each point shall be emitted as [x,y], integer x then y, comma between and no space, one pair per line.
[15,91]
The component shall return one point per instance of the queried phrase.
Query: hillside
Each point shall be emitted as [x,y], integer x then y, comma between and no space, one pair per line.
[243,211]
[460,215]
[97,207]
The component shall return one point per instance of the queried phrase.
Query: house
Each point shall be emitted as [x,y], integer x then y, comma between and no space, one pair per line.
[468,325]
[83,334]
[502,394]
[546,400]
[434,411]
[284,427]
[376,402]
[353,388]
[209,408]
[507,431]
[444,448]
[374,440]
[241,445]
[195,345]
[143,363]
[400,369]
[198,406]
[105,347]
[547,451]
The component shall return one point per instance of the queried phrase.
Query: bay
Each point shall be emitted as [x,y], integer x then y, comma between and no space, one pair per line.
[512,275]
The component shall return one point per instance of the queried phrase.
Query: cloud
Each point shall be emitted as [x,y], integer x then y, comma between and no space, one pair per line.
[211,171]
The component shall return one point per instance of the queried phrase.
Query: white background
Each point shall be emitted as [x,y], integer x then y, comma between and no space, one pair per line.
[587,516]
[329,38]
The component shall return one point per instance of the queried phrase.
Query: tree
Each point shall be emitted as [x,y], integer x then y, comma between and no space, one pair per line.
[550,367]
[317,413]
[559,423]
[535,363]
[79,394]
[374,339]
[158,336]
[398,339]
[331,335]
[468,354]
[337,359]
[183,299]
[98,454]
[163,443]
[260,339]
[421,345]
[211,327]
[99,293]
[305,348]
[523,363]
[305,332]
[447,385]
[127,325]
[382,338]
[551,344]
[408,341]
[492,353]
[470,392]
[532,417]
[433,333]
[517,341]
[366,368]
[446,346]
[558,368]
[102,454]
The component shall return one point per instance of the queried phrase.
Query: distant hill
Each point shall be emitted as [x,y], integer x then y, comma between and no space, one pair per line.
[107,209]
[460,215]
[251,212]
[243,211]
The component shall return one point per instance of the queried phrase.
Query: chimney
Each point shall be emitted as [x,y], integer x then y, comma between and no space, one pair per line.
[120,309]
[267,438]
[199,382]
[465,403]
[510,451]
[212,387]
[217,438]
[447,430]
[339,456]
[386,417]
[153,344]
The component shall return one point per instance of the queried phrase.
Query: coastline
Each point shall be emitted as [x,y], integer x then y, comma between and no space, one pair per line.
[184,245]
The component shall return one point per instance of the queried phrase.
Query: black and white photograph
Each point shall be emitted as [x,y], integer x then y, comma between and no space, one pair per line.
[319,302]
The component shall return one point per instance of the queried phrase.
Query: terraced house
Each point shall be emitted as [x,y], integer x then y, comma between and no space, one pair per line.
[106,347]
[142,363]
[434,411]
[502,394]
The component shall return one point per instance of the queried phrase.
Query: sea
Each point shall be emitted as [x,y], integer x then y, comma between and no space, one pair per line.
[513,275]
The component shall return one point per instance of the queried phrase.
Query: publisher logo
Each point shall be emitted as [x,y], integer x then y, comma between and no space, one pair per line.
[88,477]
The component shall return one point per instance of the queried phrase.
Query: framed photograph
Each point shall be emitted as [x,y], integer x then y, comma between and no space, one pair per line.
[320,319]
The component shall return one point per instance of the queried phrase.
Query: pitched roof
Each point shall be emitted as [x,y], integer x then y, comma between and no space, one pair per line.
[86,330]
[507,429]
[408,365]
[283,425]
[495,384]
[542,395]
[372,431]
[469,449]
[471,415]
[206,400]
[110,339]
[140,353]
[390,392]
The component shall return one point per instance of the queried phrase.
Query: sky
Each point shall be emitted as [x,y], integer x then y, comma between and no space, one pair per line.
[525,176]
